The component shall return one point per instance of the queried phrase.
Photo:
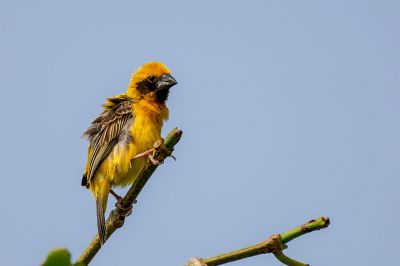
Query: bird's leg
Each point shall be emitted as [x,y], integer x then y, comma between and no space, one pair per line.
[122,210]
[116,196]
[151,153]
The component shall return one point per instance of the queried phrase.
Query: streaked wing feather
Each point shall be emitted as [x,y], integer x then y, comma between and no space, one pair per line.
[105,131]
[100,155]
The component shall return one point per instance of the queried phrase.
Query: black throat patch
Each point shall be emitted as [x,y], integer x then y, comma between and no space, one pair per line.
[145,87]
[162,95]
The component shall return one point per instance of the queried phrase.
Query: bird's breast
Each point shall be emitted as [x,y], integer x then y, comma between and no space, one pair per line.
[145,131]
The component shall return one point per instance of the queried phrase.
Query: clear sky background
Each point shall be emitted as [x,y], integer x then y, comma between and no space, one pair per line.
[290,111]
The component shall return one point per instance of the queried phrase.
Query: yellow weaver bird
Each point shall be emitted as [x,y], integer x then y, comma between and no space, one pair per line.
[129,125]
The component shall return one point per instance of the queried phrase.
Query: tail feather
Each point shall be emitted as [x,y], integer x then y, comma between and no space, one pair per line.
[101,221]
[84,181]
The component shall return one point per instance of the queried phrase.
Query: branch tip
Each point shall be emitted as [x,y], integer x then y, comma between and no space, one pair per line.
[288,261]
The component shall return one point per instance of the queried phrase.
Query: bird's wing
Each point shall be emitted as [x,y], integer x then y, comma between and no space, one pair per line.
[107,130]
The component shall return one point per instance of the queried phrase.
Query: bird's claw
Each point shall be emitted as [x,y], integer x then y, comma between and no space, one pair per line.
[157,147]
[155,161]
[122,210]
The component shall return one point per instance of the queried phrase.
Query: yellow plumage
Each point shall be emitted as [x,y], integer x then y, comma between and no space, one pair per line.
[129,125]
[145,130]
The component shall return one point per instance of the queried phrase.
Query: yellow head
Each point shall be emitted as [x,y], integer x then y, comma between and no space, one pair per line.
[151,81]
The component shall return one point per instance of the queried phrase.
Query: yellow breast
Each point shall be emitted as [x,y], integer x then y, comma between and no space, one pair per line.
[145,130]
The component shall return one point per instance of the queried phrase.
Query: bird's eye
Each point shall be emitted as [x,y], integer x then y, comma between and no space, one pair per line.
[152,79]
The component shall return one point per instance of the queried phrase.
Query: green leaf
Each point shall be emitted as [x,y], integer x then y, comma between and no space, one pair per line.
[58,257]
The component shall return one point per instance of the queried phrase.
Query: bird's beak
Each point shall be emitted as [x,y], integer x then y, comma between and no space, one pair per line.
[165,82]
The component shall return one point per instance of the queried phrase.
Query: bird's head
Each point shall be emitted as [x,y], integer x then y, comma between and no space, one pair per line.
[151,81]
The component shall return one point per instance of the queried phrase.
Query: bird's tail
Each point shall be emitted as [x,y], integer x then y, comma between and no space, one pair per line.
[101,204]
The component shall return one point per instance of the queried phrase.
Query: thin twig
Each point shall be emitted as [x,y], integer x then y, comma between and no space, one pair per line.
[288,261]
[115,220]
[275,244]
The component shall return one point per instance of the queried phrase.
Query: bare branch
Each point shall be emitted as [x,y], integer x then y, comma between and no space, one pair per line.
[275,244]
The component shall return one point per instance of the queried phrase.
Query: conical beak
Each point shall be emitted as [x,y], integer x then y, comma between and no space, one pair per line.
[165,82]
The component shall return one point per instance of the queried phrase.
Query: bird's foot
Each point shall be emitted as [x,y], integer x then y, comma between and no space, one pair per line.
[123,211]
[158,146]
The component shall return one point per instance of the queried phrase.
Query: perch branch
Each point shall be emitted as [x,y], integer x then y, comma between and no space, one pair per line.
[275,244]
[115,220]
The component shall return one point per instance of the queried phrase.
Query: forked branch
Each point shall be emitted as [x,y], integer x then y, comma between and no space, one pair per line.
[275,244]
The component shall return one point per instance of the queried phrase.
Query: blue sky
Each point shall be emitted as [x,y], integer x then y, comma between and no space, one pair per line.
[290,111]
